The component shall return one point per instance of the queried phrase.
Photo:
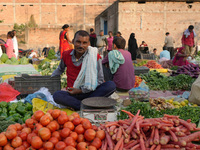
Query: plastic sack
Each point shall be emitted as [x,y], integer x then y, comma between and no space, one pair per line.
[195,94]
[39,104]
[7,92]
[140,93]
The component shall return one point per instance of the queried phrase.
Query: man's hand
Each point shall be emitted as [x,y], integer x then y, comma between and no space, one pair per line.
[74,91]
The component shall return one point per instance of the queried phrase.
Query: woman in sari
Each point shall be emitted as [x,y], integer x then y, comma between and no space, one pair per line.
[64,40]
[180,58]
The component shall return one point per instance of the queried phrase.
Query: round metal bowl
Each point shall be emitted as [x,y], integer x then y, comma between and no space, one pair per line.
[99,102]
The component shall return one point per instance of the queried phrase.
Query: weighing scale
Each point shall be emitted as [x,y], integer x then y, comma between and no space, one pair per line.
[99,109]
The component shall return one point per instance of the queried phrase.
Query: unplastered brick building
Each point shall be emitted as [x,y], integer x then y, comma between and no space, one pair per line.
[150,20]
[49,16]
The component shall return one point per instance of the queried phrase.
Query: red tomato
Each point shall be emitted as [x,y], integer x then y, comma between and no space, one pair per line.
[52,126]
[53,140]
[79,129]
[25,144]
[48,146]
[92,148]
[38,114]
[30,148]
[80,138]
[60,145]
[20,148]
[69,148]
[29,137]
[27,130]
[44,133]
[11,133]
[50,111]
[76,121]
[71,118]
[16,142]
[69,141]
[69,125]
[57,135]
[12,126]
[62,119]
[89,134]
[48,114]
[96,142]
[45,120]
[86,124]
[36,142]
[76,115]
[8,147]
[3,140]
[65,132]
[18,126]
[23,136]
[101,134]
[94,127]
[74,135]
[55,113]
[38,126]
[82,146]
[30,123]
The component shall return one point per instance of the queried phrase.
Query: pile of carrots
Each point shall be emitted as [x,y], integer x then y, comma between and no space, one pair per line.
[137,133]
[138,80]
[152,64]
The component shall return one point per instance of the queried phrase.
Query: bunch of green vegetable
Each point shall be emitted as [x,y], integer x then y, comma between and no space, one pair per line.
[17,112]
[174,68]
[158,81]
[185,113]
[141,63]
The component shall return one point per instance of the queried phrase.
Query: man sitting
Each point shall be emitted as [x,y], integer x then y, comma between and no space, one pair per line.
[84,73]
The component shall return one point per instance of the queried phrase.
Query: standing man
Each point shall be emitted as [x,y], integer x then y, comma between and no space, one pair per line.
[93,38]
[15,44]
[169,44]
[84,73]
[101,42]
[188,40]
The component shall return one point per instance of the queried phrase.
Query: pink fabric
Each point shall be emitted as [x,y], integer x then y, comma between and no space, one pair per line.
[110,42]
[189,40]
[10,48]
[180,60]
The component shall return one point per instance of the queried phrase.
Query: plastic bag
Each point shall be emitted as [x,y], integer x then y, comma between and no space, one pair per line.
[7,93]
[140,93]
[195,94]
[39,104]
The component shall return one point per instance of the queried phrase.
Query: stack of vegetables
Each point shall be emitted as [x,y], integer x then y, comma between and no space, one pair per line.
[152,64]
[17,112]
[158,81]
[53,130]
[168,132]
[13,61]
[142,63]
[138,80]
[190,69]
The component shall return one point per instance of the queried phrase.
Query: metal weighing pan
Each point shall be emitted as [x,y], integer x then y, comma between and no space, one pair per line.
[99,102]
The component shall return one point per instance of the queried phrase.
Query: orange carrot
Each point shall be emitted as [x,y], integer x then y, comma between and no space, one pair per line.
[132,123]
[111,124]
[189,138]
[119,134]
[164,139]
[128,113]
[186,124]
[152,136]
[153,147]
[114,136]
[156,137]
[109,140]
[158,147]
[132,143]
[121,146]
[142,146]
[171,116]
[115,131]
[135,147]
[127,139]
[174,138]
[124,133]
[124,122]
[118,144]
[134,135]
[112,128]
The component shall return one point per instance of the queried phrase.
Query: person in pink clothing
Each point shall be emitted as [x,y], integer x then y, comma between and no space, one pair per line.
[9,45]
[188,40]
[110,41]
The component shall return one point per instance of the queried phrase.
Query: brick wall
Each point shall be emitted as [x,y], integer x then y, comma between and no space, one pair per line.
[49,15]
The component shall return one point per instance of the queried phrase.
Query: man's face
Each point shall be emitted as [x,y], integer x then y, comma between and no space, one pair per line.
[101,33]
[81,44]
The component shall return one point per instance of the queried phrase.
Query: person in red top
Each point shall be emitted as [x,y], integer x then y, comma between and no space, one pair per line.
[64,40]
[77,61]
[188,40]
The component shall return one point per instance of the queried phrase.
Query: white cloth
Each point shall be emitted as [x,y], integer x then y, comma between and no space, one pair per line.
[1,51]
[32,54]
[15,45]
[87,77]
[187,33]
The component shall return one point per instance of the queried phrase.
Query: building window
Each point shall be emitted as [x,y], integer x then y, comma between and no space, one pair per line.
[4,5]
[141,2]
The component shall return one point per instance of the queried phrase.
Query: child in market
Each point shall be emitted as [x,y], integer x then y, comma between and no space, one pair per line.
[9,45]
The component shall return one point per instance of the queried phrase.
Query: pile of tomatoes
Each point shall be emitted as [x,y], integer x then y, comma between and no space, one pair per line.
[138,80]
[54,130]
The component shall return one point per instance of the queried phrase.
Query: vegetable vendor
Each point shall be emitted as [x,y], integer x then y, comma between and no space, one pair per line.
[180,58]
[118,66]
[84,73]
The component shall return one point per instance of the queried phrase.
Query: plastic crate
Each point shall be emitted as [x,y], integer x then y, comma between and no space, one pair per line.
[29,84]
[148,56]
[140,70]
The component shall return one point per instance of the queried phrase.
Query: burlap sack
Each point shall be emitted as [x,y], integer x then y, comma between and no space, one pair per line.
[195,92]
